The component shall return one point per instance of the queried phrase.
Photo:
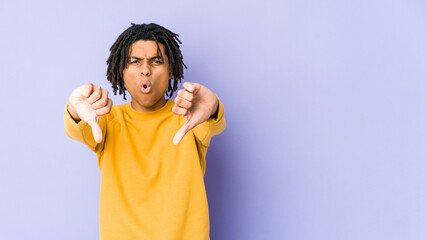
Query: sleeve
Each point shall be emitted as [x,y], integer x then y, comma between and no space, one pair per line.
[211,127]
[82,131]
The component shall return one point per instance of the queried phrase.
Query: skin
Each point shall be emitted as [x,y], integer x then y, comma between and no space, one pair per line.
[145,65]
[88,103]
[196,102]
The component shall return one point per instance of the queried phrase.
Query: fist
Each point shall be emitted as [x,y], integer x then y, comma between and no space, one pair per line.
[197,103]
[88,103]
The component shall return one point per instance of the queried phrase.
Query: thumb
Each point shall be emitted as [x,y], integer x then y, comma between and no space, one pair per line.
[96,130]
[181,133]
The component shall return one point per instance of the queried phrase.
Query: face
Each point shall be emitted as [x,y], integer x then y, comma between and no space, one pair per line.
[147,77]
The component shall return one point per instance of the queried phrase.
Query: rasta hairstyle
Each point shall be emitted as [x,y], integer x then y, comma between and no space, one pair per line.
[120,54]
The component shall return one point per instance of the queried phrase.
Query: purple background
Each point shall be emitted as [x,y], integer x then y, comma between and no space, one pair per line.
[325,104]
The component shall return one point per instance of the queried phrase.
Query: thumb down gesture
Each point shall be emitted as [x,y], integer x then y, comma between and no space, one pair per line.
[197,103]
[88,103]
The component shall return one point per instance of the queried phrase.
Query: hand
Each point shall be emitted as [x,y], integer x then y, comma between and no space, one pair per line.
[88,103]
[197,103]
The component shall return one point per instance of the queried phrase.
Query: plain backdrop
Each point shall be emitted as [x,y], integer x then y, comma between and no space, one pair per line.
[325,104]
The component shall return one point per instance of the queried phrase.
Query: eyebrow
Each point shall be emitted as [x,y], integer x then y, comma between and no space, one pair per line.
[139,59]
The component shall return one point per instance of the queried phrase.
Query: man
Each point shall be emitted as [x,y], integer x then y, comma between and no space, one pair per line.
[151,151]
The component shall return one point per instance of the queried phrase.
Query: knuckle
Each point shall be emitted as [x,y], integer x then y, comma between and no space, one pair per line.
[190,87]
[103,102]
[85,89]
[101,112]
[190,97]
[96,94]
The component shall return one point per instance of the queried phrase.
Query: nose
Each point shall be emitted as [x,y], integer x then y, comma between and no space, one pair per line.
[145,69]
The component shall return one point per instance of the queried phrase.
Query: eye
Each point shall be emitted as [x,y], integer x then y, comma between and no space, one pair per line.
[157,61]
[135,61]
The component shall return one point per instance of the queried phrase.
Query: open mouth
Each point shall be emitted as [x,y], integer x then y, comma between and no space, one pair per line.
[145,87]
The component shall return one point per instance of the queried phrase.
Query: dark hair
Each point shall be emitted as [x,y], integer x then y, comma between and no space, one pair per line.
[119,54]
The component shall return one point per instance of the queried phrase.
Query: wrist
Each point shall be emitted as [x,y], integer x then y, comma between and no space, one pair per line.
[73,113]
[215,111]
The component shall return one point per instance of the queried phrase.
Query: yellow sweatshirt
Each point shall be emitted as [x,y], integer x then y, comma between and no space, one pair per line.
[150,188]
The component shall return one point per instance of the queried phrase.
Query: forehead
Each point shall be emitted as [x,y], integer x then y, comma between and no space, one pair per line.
[145,48]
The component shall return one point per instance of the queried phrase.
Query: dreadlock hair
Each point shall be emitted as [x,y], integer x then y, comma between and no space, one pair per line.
[120,54]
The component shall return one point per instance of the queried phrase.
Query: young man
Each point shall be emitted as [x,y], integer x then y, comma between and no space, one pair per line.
[151,151]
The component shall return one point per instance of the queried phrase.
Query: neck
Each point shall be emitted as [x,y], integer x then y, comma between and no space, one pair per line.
[148,107]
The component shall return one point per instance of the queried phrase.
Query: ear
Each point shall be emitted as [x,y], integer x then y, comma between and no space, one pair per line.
[171,72]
